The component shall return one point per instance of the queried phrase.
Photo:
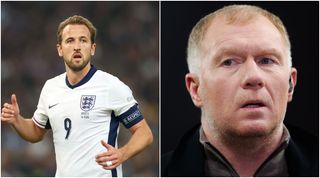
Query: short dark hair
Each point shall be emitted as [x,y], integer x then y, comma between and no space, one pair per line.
[76,19]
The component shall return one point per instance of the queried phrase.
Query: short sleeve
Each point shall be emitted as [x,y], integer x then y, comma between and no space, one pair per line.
[40,116]
[125,107]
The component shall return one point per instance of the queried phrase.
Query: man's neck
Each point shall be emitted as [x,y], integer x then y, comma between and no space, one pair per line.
[246,155]
[75,77]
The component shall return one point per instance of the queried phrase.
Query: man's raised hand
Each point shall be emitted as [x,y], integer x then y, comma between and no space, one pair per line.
[10,112]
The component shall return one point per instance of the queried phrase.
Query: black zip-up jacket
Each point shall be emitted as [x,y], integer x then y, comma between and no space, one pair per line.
[187,160]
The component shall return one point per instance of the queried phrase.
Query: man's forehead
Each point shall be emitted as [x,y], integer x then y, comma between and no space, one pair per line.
[75,30]
[257,37]
[221,24]
[258,29]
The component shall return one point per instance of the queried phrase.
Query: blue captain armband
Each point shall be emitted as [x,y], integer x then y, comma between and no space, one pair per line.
[131,117]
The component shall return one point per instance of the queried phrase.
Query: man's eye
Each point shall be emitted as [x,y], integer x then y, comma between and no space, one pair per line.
[266,60]
[228,62]
[83,40]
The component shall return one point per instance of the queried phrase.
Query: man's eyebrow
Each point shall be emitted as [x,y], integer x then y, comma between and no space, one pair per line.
[83,37]
[69,38]
[272,52]
[76,37]
[222,51]
[239,51]
[269,50]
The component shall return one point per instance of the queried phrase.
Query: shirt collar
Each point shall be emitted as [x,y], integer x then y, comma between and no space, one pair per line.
[84,80]
[217,165]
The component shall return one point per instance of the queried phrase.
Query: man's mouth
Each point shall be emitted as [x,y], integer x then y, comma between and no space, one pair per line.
[77,56]
[253,104]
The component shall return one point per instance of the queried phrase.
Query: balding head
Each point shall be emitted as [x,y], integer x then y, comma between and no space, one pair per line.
[233,14]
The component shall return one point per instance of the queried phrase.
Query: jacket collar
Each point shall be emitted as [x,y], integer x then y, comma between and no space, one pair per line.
[193,164]
[188,158]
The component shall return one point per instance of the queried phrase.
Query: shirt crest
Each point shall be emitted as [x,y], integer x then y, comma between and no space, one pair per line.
[87,102]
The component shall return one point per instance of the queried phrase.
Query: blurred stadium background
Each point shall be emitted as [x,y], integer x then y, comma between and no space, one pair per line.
[127,46]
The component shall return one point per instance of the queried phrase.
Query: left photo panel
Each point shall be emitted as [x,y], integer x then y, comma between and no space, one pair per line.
[80,89]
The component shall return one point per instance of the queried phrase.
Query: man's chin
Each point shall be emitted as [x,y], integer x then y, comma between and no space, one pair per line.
[252,130]
[77,67]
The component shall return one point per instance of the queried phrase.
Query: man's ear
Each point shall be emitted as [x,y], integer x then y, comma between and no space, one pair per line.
[59,49]
[293,81]
[192,84]
[93,49]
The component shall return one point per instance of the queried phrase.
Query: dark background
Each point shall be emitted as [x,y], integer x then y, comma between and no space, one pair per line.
[178,114]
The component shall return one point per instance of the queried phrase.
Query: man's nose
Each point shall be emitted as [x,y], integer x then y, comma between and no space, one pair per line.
[77,46]
[252,77]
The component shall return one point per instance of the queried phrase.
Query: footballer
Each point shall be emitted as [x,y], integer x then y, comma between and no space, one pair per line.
[83,107]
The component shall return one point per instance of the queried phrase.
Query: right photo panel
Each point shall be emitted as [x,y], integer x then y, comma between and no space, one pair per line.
[239,89]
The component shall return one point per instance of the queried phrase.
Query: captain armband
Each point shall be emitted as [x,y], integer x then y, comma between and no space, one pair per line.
[131,117]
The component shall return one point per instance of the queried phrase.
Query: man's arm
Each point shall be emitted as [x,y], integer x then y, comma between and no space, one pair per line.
[141,138]
[26,128]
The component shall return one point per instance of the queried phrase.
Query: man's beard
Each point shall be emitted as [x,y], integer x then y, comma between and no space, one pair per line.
[77,67]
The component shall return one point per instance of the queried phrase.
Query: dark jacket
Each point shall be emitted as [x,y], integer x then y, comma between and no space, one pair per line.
[188,158]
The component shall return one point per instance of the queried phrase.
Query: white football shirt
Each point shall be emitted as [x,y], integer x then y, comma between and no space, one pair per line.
[82,115]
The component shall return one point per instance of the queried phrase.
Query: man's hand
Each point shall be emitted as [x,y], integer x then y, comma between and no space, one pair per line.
[141,138]
[110,159]
[10,112]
